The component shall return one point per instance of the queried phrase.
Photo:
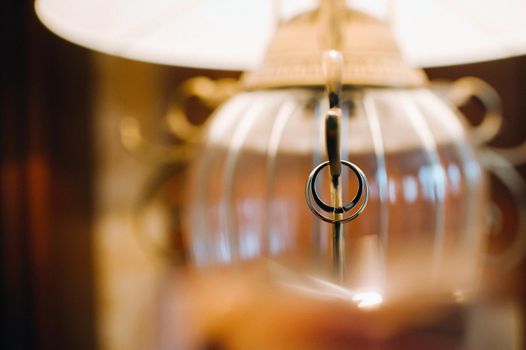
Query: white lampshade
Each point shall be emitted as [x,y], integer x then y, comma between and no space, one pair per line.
[233,34]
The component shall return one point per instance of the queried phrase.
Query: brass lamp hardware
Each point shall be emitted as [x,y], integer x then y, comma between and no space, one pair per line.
[465,88]
[372,57]
[505,172]
[210,92]
[498,161]
[133,140]
[170,160]
[515,155]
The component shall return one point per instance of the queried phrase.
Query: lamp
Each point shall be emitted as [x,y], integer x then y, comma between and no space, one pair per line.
[242,209]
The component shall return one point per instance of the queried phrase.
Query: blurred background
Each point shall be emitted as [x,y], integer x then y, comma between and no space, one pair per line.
[75,272]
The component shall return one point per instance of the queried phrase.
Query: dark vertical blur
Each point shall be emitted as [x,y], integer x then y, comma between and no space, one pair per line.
[46,187]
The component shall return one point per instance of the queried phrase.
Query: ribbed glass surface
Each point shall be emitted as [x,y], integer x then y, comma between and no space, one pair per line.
[425,217]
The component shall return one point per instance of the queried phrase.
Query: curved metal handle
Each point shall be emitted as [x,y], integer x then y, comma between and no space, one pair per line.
[515,155]
[133,140]
[170,159]
[210,92]
[466,88]
[512,179]
[497,161]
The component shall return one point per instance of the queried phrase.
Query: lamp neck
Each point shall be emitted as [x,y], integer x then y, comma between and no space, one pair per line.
[331,24]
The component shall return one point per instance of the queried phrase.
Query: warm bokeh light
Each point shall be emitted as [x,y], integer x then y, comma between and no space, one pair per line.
[368,300]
